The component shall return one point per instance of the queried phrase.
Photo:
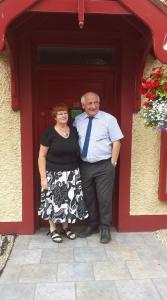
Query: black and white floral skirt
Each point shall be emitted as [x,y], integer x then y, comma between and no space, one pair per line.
[63,201]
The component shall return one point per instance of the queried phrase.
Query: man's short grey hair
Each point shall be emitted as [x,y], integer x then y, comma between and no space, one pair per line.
[83,98]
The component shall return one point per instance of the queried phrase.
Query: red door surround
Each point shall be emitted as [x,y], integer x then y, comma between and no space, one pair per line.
[66,84]
[127,72]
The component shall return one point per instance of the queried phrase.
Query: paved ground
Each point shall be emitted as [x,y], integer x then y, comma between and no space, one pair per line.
[133,266]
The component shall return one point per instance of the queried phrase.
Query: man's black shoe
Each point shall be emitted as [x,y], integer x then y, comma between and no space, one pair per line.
[105,235]
[88,231]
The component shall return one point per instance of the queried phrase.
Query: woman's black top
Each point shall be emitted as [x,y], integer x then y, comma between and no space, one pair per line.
[63,153]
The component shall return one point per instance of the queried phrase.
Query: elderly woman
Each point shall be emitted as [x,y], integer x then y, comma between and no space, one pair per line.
[61,191]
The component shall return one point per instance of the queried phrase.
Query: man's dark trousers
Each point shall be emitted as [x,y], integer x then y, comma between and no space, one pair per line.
[97,182]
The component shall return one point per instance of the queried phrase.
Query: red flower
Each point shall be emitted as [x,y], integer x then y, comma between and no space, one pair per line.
[150,96]
[165,88]
[143,90]
[155,84]
[147,84]
[158,73]
[147,104]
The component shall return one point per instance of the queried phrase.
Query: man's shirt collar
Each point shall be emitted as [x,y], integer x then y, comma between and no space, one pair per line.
[96,116]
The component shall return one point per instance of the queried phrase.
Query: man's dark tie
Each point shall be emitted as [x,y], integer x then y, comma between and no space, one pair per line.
[87,138]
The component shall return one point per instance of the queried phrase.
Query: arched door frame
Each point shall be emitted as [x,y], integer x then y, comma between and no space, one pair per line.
[23,71]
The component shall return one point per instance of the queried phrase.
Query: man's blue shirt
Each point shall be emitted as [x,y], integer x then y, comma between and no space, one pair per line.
[105,130]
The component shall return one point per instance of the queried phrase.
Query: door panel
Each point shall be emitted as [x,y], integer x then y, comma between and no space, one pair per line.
[67,85]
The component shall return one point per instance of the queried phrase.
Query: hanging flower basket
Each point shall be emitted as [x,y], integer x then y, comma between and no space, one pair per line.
[154,89]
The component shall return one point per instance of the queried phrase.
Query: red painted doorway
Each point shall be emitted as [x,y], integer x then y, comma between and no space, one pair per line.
[67,83]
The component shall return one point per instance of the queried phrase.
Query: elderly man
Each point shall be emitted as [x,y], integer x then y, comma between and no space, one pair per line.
[99,140]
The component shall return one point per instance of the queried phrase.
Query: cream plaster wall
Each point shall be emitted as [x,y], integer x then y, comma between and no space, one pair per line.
[10,153]
[145,165]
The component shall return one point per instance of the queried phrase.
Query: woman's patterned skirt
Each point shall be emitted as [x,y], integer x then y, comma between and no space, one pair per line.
[63,201]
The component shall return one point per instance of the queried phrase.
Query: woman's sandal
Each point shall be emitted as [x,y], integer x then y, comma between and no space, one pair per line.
[68,233]
[55,236]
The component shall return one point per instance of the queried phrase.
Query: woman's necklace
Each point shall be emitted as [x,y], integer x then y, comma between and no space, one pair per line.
[64,133]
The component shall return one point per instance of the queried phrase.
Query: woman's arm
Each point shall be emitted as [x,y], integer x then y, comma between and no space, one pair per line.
[42,166]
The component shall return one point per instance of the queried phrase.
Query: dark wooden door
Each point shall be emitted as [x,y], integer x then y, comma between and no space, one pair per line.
[67,84]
